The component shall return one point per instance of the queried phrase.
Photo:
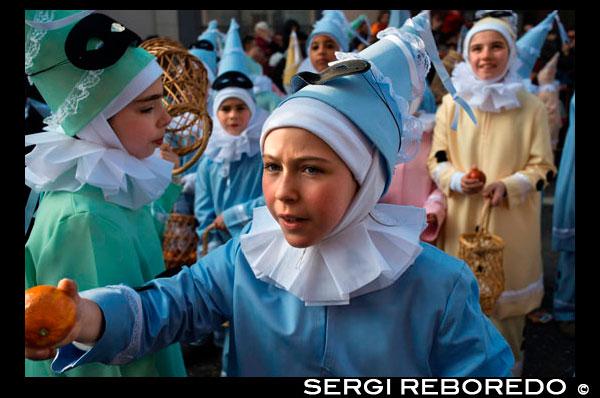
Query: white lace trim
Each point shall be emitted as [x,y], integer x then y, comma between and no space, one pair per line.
[35,36]
[78,93]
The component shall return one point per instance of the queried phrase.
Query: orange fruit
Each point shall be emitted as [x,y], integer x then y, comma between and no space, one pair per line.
[49,316]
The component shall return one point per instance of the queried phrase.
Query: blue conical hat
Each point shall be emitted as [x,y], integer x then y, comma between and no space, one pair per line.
[529,46]
[333,24]
[377,100]
[207,50]
[398,17]
[232,69]
[76,94]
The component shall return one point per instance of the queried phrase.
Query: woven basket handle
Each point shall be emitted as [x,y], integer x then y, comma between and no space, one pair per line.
[205,238]
[484,219]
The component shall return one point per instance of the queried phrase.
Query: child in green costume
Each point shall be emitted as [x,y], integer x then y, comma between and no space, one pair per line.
[100,163]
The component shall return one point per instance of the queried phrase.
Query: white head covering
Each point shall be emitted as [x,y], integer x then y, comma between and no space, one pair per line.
[493,94]
[330,272]
[226,148]
[63,163]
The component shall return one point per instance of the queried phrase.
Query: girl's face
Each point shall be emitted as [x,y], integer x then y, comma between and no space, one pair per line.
[141,125]
[234,115]
[322,51]
[307,186]
[488,54]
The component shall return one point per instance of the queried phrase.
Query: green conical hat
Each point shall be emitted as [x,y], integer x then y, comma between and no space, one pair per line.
[104,50]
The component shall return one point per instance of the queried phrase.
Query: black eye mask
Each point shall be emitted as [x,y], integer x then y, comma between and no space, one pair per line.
[205,45]
[115,40]
[232,79]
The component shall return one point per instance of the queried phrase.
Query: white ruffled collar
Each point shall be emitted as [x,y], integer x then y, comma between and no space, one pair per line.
[226,148]
[369,249]
[63,163]
[330,272]
[486,96]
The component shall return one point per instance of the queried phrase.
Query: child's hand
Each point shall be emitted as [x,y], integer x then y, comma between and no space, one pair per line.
[89,324]
[167,153]
[495,192]
[219,223]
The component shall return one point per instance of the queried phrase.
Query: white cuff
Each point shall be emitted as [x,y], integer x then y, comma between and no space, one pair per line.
[455,181]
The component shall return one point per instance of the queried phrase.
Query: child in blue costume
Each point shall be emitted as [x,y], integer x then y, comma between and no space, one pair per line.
[228,177]
[325,281]
[97,164]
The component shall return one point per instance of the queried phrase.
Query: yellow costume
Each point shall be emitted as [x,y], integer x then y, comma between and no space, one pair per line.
[512,146]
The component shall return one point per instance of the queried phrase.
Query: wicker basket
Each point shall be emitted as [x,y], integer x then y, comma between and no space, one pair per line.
[180,241]
[482,251]
[205,238]
[185,84]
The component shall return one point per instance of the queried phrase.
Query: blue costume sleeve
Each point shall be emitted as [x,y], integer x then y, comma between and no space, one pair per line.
[165,310]
[467,343]
[236,217]
[204,206]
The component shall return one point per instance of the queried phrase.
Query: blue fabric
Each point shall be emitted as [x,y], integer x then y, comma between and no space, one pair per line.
[563,221]
[428,323]
[563,228]
[564,292]
[235,196]
[428,103]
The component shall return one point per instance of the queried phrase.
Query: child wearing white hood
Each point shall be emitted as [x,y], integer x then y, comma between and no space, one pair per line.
[228,177]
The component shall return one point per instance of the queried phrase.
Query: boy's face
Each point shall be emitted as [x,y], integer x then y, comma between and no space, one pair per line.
[234,115]
[141,124]
[307,186]
[322,51]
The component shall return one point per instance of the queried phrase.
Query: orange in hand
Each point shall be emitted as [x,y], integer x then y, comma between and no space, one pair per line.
[49,316]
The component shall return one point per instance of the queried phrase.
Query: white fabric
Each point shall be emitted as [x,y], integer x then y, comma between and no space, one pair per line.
[328,124]
[63,163]
[510,40]
[368,250]
[488,97]
[491,95]
[226,148]
[232,92]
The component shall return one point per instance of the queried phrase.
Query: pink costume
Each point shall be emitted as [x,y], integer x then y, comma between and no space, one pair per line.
[412,186]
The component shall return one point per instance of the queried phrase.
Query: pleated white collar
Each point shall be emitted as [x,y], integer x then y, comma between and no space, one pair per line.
[486,96]
[63,163]
[373,245]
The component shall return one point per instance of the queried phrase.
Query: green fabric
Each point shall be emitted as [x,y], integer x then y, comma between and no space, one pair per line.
[267,100]
[56,84]
[162,208]
[78,235]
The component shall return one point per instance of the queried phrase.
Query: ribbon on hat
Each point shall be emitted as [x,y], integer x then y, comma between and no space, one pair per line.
[561,30]
[430,47]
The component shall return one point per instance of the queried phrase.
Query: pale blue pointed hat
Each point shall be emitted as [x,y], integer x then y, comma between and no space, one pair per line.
[80,62]
[375,88]
[398,17]
[529,46]
[334,24]
[206,49]
[232,69]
